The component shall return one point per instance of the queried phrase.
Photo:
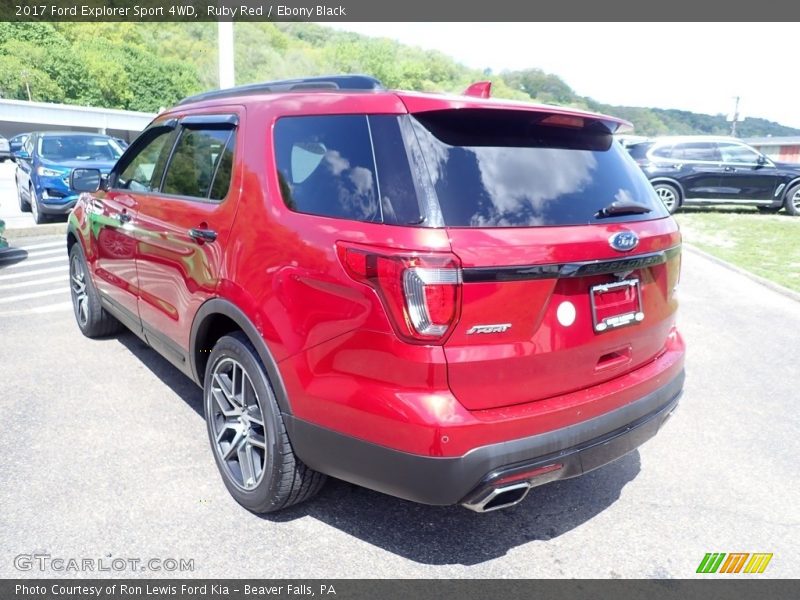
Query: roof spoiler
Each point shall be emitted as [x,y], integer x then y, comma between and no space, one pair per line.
[479,89]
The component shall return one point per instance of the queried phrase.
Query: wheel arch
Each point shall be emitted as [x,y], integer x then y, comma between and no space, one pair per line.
[673,182]
[788,188]
[218,317]
[72,236]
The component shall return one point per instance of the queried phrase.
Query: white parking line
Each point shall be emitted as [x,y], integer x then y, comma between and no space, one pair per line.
[42,281]
[47,308]
[17,252]
[38,261]
[59,244]
[30,295]
[34,273]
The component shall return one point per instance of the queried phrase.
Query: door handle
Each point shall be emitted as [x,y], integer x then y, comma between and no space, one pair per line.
[729,169]
[203,235]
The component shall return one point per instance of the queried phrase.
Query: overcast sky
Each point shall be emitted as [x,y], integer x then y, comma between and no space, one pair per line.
[697,67]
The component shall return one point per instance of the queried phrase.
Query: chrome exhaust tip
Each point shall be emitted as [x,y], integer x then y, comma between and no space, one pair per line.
[500,497]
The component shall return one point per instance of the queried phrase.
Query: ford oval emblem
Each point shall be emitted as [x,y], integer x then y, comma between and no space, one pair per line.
[624,241]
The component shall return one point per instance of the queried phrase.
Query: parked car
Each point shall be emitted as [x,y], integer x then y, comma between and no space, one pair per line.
[44,164]
[17,142]
[5,149]
[699,170]
[445,299]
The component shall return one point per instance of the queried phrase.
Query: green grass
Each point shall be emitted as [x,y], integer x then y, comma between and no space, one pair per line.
[767,245]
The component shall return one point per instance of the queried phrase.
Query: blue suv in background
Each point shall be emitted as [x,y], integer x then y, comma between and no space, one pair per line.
[44,165]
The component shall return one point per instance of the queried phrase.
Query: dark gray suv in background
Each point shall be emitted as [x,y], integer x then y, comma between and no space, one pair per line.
[697,170]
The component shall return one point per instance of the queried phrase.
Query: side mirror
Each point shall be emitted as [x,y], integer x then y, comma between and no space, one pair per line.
[762,160]
[85,180]
[21,155]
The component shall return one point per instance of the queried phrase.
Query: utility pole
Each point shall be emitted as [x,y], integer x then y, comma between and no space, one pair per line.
[26,79]
[735,116]
[226,66]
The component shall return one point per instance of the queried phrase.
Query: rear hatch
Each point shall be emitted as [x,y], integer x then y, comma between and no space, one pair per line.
[569,258]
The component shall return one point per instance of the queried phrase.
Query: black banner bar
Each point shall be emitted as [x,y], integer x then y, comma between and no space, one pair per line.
[405,11]
[740,587]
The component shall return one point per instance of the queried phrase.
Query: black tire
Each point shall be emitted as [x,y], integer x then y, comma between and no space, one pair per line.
[768,210]
[36,208]
[669,195]
[24,205]
[791,200]
[283,480]
[93,320]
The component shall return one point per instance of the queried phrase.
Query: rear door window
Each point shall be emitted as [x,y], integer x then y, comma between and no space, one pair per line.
[501,168]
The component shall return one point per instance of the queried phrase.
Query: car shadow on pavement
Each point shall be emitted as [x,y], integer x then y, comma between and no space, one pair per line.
[11,256]
[444,535]
[433,535]
[184,388]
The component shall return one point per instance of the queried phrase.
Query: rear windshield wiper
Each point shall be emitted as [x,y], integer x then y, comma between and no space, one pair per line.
[622,207]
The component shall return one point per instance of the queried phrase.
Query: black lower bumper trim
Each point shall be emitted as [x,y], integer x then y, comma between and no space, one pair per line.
[579,448]
[56,208]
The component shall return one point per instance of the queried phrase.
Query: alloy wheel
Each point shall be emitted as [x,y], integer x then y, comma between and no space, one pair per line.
[80,297]
[237,424]
[667,197]
[796,200]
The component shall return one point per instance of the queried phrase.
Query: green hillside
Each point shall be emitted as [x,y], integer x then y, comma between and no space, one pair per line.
[151,65]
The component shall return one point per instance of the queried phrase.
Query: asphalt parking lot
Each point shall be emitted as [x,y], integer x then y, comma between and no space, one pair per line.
[104,454]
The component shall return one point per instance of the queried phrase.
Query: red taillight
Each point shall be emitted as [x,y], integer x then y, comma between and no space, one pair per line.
[421,292]
[564,121]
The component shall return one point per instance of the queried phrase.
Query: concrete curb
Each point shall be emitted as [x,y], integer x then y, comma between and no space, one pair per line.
[35,230]
[775,287]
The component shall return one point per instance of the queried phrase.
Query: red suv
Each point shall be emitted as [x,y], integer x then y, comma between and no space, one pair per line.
[446,299]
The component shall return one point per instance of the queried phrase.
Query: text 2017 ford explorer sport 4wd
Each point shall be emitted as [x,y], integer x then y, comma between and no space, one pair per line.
[446,299]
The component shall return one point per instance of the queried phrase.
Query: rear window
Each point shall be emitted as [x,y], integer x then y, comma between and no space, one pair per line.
[639,151]
[495,168]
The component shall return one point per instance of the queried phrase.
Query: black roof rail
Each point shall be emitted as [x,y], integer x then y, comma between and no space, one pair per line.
[327,82]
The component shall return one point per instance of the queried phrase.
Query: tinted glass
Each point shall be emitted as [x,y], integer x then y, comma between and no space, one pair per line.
[662,151]
[736,153]
[702,151]
[325,166]
[639,151]
[141,174]
[61,148]
[399,202]
[505,169]
[200,157]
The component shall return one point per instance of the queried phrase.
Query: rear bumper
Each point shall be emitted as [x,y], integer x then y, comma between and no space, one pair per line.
[579,448]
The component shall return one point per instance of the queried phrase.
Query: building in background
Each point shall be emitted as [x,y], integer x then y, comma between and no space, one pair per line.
[781,149]
[20,116]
